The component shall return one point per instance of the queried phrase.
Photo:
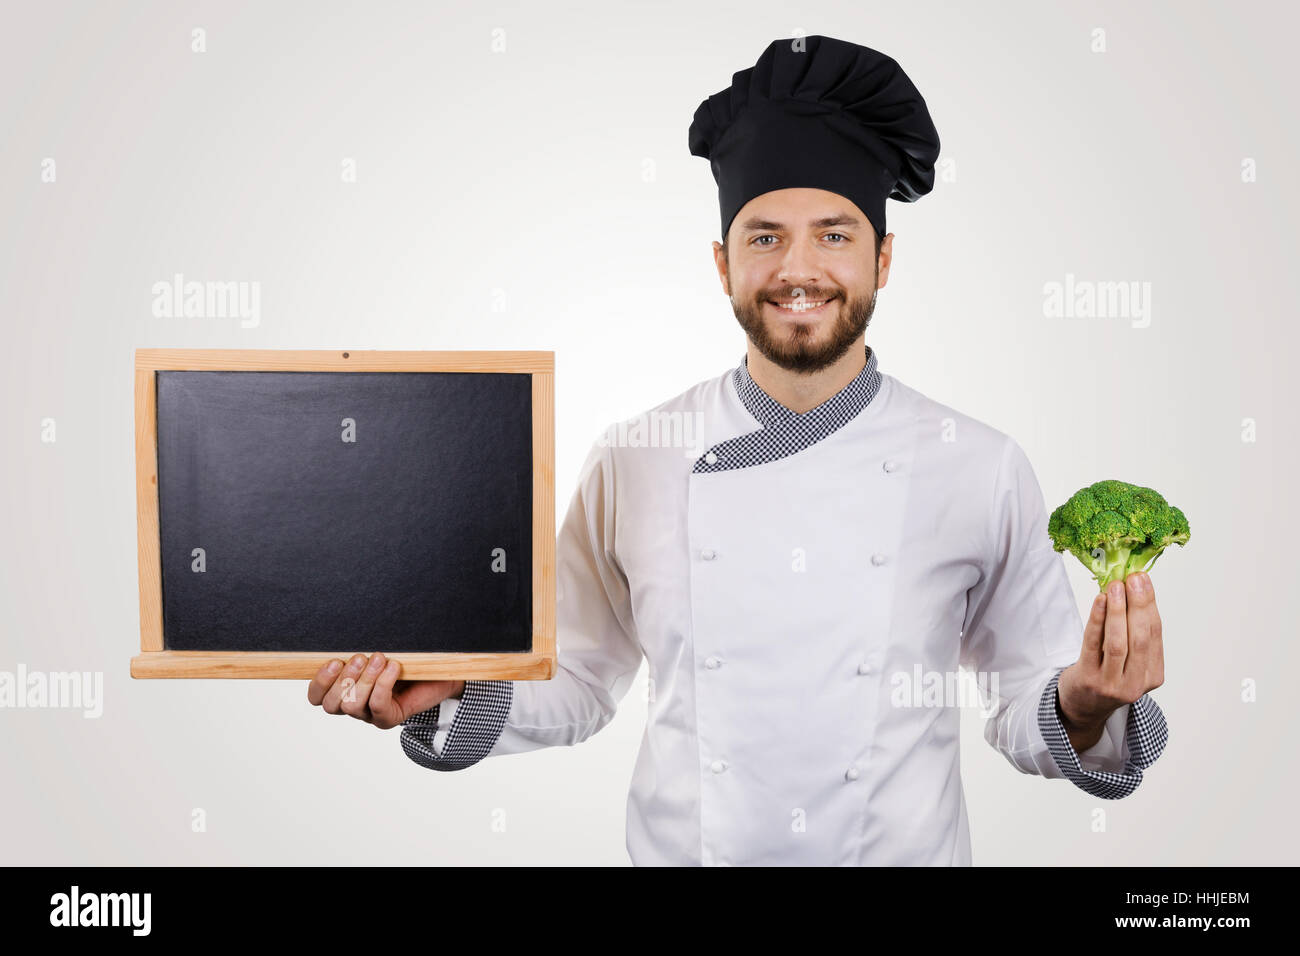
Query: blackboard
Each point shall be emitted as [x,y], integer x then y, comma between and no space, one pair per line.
[320,504]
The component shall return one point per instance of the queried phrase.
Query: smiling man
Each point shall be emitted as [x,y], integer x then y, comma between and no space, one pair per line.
[804,328]
[803,288]
[838,533]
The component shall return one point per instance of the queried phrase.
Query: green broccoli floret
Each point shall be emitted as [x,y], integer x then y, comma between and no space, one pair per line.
[1116,528]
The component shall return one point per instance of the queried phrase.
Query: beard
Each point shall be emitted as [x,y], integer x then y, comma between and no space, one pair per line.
[800,349]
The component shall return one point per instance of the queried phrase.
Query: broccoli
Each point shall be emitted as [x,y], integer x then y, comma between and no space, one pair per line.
[1116,528]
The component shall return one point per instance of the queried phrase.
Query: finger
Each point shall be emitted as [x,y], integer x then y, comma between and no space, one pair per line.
[1140,612]
[383,708]
[323,681]
[1114,644]
[1156,665]
[342,687]
[1093,631]
[357,704]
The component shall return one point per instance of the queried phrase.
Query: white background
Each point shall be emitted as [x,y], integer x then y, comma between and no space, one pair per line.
[555,175]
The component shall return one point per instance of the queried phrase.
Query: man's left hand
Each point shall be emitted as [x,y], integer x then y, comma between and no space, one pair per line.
[1123,657]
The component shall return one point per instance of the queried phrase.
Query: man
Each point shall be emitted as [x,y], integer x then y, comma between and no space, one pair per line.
[834,534]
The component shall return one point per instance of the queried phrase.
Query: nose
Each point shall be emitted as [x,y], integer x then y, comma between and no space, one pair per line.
[799,266]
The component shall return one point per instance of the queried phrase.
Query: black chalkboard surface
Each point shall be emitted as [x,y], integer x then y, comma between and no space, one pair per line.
[337,510]
[304,513]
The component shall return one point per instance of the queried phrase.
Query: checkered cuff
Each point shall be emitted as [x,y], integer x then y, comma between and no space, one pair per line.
[1146,734]
[481,715]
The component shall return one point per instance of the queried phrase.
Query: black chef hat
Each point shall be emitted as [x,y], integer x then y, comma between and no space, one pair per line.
[822,113]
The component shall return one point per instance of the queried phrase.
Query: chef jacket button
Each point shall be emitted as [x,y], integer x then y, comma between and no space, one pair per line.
[712,663]
[851,773]
[864,668]
[717,766]
[891,465]
[708,554]
[711,458]
[878,559]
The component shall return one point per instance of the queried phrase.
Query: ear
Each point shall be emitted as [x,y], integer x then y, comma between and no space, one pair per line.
[885,259]
[720,261]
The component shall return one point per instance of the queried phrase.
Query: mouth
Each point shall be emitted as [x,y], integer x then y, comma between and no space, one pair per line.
[801,306]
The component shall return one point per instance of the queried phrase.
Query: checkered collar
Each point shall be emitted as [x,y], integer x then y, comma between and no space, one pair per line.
[852,398]
[785,432]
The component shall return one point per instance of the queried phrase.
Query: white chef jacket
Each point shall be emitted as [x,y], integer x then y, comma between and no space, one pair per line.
[788,577]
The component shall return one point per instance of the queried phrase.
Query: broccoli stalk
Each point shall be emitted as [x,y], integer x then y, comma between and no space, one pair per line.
[1115,528]
[1120,557]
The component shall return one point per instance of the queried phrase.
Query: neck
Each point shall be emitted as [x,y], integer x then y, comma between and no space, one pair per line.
[802,391]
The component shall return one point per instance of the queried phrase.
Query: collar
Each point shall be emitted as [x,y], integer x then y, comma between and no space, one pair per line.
[850,399]
[785,432]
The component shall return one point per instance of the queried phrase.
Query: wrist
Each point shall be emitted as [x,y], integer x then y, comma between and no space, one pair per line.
[1074,725]
[1082,736]
[1081,727]
[1072,722]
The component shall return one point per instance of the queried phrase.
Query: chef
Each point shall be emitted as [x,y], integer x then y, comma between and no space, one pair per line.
[830,541]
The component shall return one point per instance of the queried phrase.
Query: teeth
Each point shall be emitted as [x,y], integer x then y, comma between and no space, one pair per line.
[800,305]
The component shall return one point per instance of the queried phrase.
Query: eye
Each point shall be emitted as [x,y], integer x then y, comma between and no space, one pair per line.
[756,238]
[840,234]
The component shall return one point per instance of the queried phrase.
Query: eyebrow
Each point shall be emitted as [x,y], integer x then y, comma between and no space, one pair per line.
[756,224]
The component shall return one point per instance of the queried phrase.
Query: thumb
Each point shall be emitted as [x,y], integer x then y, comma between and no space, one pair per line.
[420,695]
[392,701]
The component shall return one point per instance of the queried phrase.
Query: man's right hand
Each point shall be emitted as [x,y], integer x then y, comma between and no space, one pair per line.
[370,691]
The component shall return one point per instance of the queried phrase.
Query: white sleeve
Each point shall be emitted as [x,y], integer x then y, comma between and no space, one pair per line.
[597,652]
[1022,628]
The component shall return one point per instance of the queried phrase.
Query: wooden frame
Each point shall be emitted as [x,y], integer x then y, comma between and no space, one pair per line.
[155,661]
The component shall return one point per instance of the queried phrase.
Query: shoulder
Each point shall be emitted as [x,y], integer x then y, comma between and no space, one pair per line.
[670,434]
[700,396]
[965,435]
[973,461]
[685,410]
